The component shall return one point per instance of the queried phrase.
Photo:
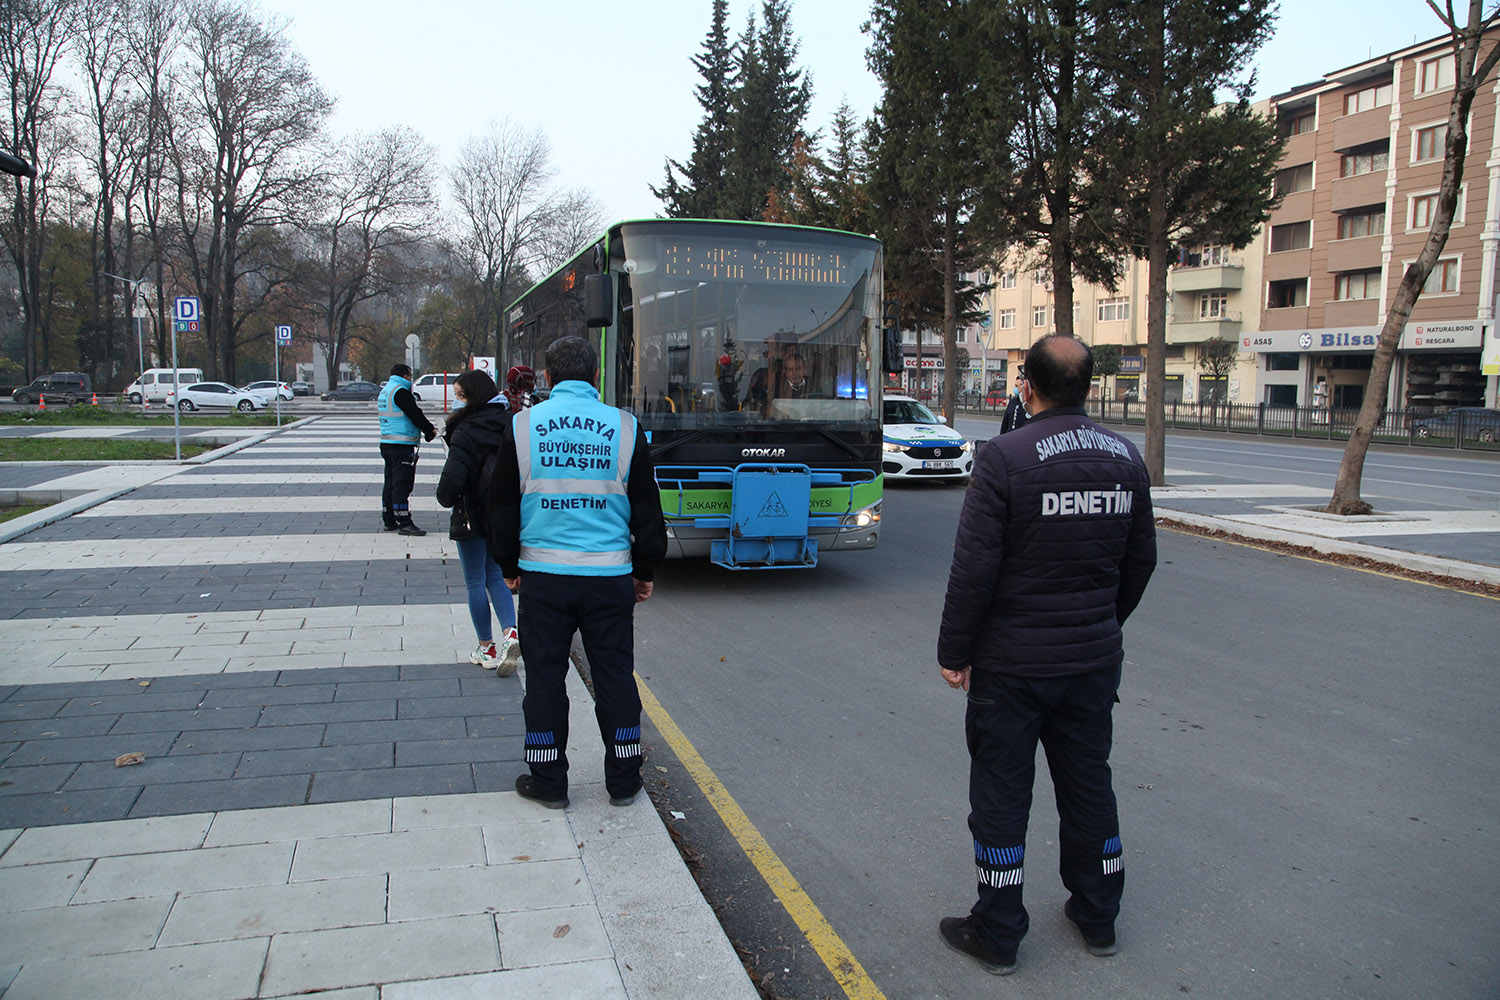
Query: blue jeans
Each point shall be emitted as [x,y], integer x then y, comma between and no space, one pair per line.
[482,574]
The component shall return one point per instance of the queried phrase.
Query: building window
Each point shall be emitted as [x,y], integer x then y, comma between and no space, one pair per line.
[1357,285]
[1287,294]
[961,335]
[1294,179]
[1423,210]
[1282,361]
[1377,96]
[1362,222]
[1291,236]
[1212,305]
[1038,315]
[1006,318]
[1436,74]
[1297,122]
[908,337]
[1111,310]
[1444,277]
[1039,277]
[1008,278]
[1365,159]
[1427,143]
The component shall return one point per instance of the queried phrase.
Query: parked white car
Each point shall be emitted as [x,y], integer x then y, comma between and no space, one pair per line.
[217,395]
[918,444]
[435,387]
[270,390]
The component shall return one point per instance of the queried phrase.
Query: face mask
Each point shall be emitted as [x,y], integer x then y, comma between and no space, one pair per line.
[459,404]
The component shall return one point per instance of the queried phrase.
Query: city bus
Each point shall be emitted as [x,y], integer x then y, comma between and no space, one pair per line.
[752,354]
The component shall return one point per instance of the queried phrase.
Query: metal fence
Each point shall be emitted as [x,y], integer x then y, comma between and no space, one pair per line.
[1457,430]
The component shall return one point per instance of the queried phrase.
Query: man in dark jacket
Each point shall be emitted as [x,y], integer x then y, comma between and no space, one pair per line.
[1015,412]
[578,513]
[1055,545]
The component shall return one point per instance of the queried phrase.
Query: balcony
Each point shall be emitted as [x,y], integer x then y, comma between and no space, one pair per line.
[1228,275]
[1351,312]
[1358,191]
[1295,207]
[1192,330]
[1364,127]
[1358,254]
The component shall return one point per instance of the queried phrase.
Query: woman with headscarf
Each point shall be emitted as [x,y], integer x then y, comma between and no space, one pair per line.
[520,383]
[473,431]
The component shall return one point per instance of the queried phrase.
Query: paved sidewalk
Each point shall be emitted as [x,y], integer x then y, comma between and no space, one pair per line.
[324,798]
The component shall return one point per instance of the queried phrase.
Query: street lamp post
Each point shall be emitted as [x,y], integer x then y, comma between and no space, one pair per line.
[140,342]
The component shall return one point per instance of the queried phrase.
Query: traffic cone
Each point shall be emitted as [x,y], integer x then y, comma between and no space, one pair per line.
[41,402]
[95,400]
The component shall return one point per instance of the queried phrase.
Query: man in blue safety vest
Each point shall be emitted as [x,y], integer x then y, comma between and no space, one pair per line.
[402,426]
[577,513]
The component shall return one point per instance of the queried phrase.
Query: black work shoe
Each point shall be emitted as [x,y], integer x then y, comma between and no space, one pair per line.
[389,527]
[410,529]
[623,800]
[961,934]
[526,787]
[1101,945]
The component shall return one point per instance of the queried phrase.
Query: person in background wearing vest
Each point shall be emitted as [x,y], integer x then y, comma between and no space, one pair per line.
[402,426]
[473,432]
[1054,548]
[577,513]
[1015,412]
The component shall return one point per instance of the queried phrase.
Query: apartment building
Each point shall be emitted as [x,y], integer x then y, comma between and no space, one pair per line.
[1360,177]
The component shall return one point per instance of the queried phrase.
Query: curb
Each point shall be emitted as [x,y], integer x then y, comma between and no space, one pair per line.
[1455,569]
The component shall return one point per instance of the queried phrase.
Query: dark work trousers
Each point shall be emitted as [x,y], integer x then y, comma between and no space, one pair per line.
[601,610]
[400,477]
[1071,717]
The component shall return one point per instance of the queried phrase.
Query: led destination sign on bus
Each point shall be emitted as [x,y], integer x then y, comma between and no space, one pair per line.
[717,262]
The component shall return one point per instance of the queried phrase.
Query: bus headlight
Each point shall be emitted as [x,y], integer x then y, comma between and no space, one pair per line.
[861,518]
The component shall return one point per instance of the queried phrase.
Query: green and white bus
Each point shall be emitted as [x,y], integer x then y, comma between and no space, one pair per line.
[753,355]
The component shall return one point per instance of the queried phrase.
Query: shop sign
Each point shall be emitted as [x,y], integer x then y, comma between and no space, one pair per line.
[927,363]
[1441,335]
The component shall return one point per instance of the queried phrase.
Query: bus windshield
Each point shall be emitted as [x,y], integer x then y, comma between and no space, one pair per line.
[732,325]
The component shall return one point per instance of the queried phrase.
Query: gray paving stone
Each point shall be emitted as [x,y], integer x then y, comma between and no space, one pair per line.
[271,695]
[429,671]
[66,932]
[435,688]
[533,937]
[226,970]
[498,776]
[214,796]
[6,749]
[208,718]
[38,778]
[339,675]
[423,894]
[597,980]
[300,822]
[73,690]
[78,725]
[456,751]
[513,724]
[318,759]
[379,853]
[54,808]
[160,701]
[261,738]
[393,730]
[386,953]
[30,709]
[83,748]
[110,839]
[342,786]
[33,887]
[424,708]
[320,713]
[166,872]
[275,909]
[155,770]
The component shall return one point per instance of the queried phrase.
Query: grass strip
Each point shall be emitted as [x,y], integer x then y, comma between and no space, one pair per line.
[8,513]
[36,449]
[82,414]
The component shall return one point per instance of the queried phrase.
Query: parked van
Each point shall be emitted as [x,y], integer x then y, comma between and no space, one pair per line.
[435,387]
[66,388]
[156,384]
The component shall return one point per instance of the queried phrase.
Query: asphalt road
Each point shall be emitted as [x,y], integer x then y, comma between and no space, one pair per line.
[1305,760]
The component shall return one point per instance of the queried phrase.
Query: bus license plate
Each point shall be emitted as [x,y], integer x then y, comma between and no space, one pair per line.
[941,463]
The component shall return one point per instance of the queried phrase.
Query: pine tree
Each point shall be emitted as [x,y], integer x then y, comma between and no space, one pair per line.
[699,192]
[770,106]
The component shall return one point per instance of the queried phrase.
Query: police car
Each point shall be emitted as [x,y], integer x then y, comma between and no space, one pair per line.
[918,444]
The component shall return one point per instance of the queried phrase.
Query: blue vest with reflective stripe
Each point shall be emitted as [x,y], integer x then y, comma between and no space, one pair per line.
[573,453]
[395,426]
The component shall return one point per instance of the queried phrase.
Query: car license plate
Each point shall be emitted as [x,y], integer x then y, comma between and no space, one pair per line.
[941,463]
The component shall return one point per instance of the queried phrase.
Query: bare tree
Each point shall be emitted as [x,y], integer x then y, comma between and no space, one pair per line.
[33,37]
[576,219]
[1471,68]
[253,111]
[377,211]
[505,210]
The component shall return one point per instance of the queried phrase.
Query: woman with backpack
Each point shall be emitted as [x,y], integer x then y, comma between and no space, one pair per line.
[473,431]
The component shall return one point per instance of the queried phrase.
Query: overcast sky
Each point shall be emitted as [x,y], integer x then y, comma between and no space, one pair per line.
[612,84]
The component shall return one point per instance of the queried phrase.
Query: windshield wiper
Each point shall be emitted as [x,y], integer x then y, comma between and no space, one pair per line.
[656,453]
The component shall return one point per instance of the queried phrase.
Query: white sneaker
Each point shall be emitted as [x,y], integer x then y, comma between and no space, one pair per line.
[485,655]
[510,654]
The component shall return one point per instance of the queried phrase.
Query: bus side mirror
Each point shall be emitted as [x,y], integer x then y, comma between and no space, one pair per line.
[598,300]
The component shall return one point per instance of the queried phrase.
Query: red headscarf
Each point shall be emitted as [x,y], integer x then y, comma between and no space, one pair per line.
[519,383]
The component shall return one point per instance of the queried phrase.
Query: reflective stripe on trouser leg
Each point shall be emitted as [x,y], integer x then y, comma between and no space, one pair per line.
[541,748]
[1000,866]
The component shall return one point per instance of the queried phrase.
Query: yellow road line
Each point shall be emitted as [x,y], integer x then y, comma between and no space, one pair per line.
[851,976]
